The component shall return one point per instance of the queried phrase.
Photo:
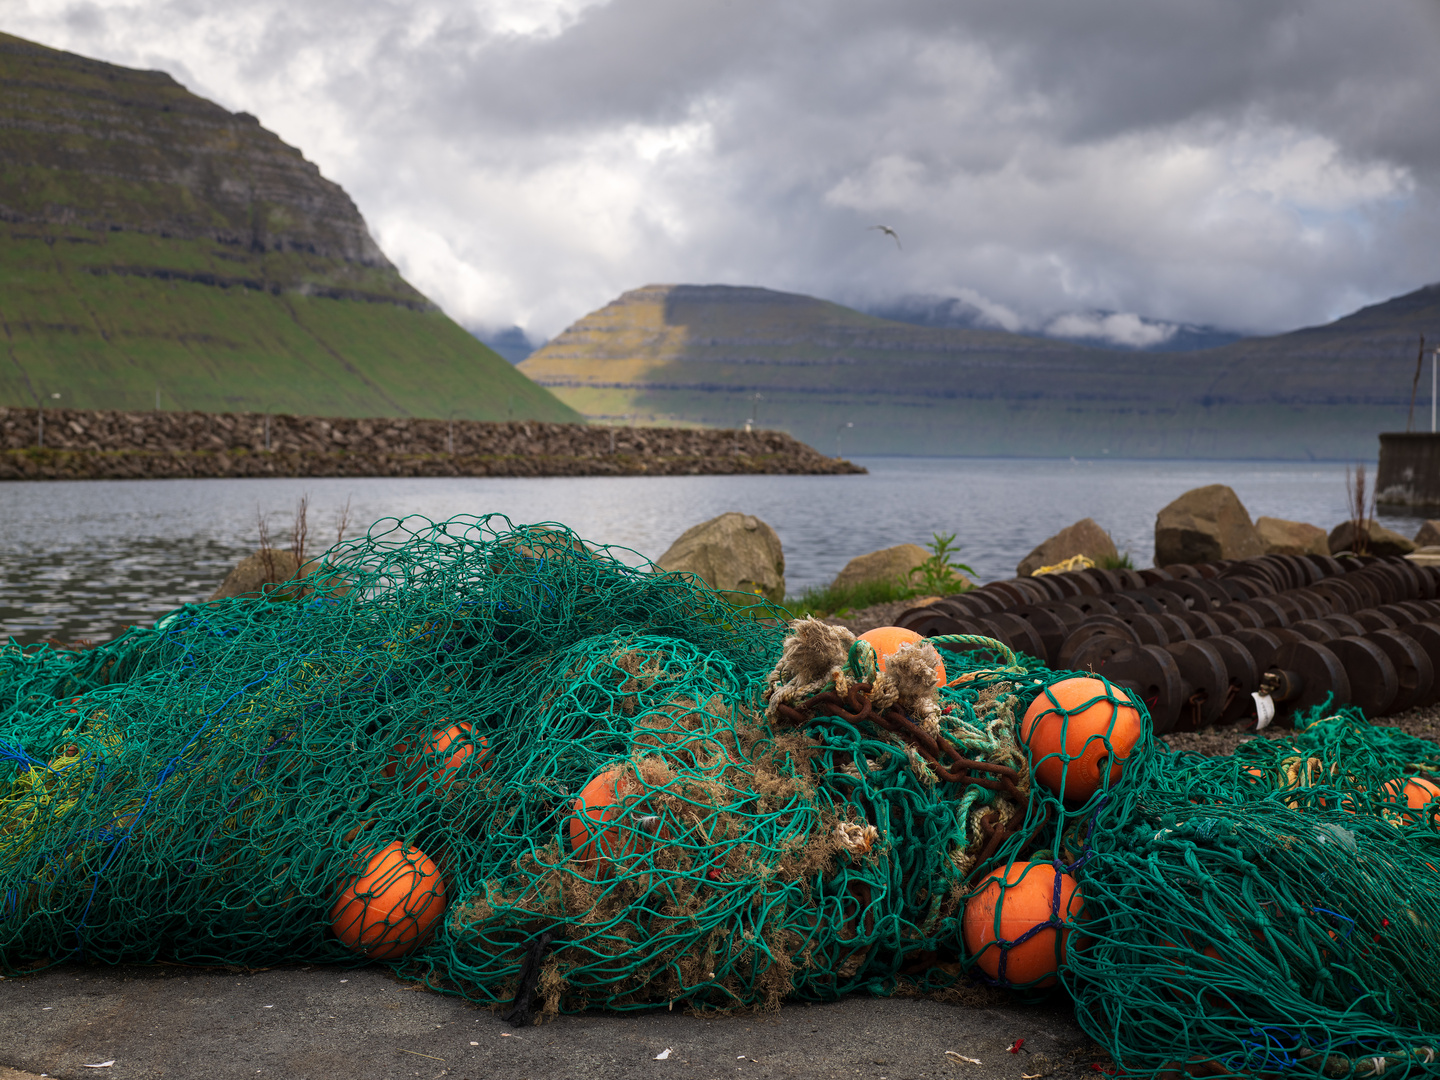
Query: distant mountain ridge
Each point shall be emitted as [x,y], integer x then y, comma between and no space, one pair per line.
[715,354]
[154,242]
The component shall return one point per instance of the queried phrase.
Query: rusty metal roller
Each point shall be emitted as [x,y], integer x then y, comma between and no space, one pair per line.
[1242,677]
[1374,682]
[1316,630]
[1372,619]
[1168,600]
[1108,628]
[1015,632]
[1048,626]
[1154,676]
[1427,636]
[1206,683]
[1094,605]
[1345,625]
[930,623]
[1149,630]
[1202,624]
[1138,600]
[1175,627]
[1245,615]
[1066,612]
[1262,645]
[1225,622]
[1304,674]
[1272,612]
[1413,669]
[1126,603]
[1093,653]
[1182,595]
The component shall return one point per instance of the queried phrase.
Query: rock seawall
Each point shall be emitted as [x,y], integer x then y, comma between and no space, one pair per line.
[80,444]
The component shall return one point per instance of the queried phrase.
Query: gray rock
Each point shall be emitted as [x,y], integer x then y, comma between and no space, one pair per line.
[1203,525]
[1083,538]
[1429,534]
[1283,537]
[884,565]
[1379,540]
[733,552]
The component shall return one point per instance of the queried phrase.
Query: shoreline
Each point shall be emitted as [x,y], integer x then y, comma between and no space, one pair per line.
[84,444]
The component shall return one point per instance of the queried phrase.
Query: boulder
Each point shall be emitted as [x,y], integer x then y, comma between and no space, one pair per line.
[1203,525]
[887,564]
[1429,535]
[1083,538]
[252,574]
[1381,541]
[1283,537]
[734,551]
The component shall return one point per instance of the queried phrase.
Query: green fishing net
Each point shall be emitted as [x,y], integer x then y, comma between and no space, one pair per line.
[523,769]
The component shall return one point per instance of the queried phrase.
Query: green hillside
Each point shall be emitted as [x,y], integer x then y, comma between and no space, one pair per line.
[702,354]
[152,239]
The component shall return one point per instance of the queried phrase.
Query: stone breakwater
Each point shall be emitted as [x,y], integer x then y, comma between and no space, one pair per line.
[80,444]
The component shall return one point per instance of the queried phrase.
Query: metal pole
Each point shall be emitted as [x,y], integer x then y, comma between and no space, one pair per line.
[157,399]
[1434,360]
[42,423]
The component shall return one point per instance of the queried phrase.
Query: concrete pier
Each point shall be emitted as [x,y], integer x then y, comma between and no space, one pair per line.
[1409,473]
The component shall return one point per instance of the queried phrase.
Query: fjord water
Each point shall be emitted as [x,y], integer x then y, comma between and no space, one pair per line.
[85,559]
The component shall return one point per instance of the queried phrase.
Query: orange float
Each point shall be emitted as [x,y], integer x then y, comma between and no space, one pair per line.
[601,802]
[1073,743]
[392,905]
[885,640]
[995,916]
[457,745]
[1417,792]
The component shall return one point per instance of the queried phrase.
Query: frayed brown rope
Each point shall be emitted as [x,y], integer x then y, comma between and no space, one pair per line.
[935,749]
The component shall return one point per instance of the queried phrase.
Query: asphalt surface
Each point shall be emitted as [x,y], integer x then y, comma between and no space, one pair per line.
[312,1023]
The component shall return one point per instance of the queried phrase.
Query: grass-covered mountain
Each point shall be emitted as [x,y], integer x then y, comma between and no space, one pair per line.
[152,239]
[702,354]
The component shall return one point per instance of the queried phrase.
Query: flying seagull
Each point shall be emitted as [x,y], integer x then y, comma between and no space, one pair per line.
[890,233]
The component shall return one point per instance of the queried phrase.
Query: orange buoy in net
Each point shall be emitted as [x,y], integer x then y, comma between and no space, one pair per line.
[885,640]
[1012,921]
[453,746]
[1417,792]
[392,905]
[595,829]
[1077,730]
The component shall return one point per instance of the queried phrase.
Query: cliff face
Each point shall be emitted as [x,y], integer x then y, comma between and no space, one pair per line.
[153,243]
[825,373]
[91,144]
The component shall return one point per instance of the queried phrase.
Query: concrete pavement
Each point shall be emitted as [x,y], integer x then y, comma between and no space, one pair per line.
[316,1022]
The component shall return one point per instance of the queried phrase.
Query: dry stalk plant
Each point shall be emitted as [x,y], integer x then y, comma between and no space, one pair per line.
[1362,509]
[299,536]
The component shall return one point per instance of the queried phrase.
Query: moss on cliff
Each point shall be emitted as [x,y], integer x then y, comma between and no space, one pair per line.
[152,239]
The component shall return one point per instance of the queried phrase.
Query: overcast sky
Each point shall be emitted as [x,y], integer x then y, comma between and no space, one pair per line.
[1255,164]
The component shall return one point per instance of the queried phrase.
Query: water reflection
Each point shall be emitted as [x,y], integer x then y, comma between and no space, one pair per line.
[86,559]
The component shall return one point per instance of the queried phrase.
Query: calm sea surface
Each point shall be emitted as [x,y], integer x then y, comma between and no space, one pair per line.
[85,559]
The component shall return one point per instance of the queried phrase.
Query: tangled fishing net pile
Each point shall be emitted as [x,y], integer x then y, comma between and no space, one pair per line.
[520,770]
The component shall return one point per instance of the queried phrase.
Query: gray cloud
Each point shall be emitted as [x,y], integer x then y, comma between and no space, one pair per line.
[523,161]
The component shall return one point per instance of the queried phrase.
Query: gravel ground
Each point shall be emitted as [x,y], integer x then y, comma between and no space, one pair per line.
[1215,742]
